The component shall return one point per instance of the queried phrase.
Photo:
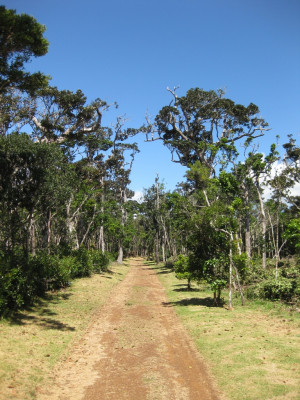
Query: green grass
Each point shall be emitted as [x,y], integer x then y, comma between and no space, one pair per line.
[33,341]
[252,351]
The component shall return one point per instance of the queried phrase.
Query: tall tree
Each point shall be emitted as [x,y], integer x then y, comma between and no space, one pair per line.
[205,126]
[21,38]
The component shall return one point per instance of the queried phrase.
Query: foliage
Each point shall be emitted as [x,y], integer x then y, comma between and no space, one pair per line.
[292,233]
[203,125]
[24,278]
[21,38]
[182,269]
[66,205]
[215,274]
[285,287]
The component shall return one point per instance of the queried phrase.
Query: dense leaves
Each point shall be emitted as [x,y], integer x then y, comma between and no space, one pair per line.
[66,206]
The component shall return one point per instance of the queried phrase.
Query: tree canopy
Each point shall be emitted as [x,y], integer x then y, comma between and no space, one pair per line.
[66,206]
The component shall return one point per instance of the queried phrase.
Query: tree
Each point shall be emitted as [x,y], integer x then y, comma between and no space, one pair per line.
[183,270]
[65,117]
[21,38]
[29,185]
[205,126]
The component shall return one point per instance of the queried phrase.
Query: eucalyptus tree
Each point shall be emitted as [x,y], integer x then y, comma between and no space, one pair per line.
[65,117]
[21,39]
[30,182]
[155,221]
[205,126]
[119,163]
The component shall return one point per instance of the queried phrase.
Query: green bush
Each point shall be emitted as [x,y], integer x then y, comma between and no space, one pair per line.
[89,261]
[264,283]
[23,278]
[277,289]
[99,260]
[84,263]
[182,269]
[20,281]
[54,272]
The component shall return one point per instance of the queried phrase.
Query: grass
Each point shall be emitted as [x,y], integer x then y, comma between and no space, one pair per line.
[33,341]
[252,351]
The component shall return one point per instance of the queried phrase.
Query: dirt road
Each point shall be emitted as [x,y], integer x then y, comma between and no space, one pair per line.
[135,349]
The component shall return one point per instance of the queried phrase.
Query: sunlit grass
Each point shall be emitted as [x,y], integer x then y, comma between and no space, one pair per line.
[33,341]
[252,351]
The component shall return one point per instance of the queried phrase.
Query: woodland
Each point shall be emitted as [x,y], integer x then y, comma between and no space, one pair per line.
[67,209]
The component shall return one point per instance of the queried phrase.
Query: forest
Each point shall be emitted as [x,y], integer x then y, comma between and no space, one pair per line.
[66,205]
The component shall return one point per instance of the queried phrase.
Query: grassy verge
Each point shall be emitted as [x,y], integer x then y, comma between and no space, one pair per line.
[252,351]
[33,341]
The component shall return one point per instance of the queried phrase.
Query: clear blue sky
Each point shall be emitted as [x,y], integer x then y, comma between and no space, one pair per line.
[129,51]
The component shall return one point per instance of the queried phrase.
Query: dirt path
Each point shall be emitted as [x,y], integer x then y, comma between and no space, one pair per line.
[135,349]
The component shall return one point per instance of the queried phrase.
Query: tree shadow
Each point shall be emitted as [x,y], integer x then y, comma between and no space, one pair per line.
[46,323]
[159,270]
[164,271]
[186,289]
[43,315]
[194,301]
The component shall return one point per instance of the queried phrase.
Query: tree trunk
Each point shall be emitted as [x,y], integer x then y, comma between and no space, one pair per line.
[101,243]
[230,273]
[49,218]
[90,224]
[247,236]
[263,227]
[31,246]
[120,255]
[157,248]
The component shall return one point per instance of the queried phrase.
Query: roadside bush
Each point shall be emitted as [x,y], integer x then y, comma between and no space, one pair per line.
[15,290]
[89,261]
[286,287]
[277,289]
[19,281]
[23,278]
[182,269]
[84,263]
[112,256]
[54,272]
[170,262]
[99,261]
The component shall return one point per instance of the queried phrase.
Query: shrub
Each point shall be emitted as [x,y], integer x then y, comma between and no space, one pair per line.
[23,278]
[19,281]
[84,263]
[182,269]
[99,260]
[277,289]
[265,285]
[54,272]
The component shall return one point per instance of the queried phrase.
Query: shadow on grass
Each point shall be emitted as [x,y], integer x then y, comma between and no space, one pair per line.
[46,323]
[43,315]
[195,301]
[159,270]
[186,289]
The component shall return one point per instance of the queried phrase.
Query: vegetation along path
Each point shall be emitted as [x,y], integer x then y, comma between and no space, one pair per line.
[136,348]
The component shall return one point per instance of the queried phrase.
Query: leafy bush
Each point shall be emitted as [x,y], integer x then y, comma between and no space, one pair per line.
[99,260]
[88,261]
[20,281]
[54,272]
[265,285]
[215,274]
[170,262]
[182,269]
[23,278]
[84,263]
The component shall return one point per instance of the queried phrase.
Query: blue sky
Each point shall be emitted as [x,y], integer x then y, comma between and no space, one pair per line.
[129,51]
